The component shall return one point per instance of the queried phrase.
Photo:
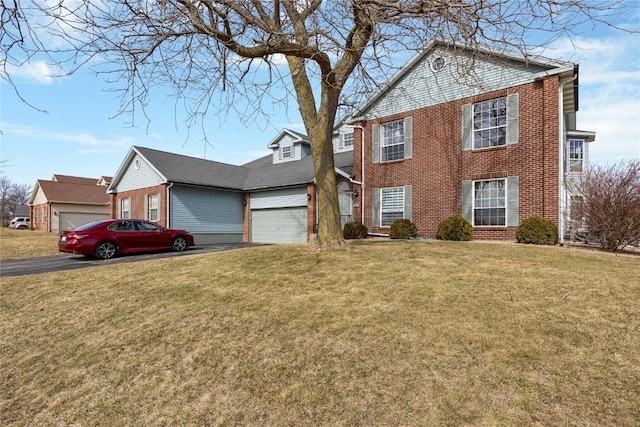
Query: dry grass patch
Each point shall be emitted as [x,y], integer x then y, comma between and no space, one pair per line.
[19,244]
[393,333]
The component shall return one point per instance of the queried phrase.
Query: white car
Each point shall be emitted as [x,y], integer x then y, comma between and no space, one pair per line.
[20,223]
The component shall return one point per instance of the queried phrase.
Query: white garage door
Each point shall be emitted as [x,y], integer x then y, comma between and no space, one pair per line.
[282,225]
[70,220]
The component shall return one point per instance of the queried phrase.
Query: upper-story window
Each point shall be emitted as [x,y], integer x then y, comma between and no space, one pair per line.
[347,139]
[392,141]
[490,123]
[576,155]
[286,151]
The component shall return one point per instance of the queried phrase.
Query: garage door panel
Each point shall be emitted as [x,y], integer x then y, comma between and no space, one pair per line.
[70,220]
[286,225]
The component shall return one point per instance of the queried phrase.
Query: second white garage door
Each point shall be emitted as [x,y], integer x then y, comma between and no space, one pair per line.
[282,225]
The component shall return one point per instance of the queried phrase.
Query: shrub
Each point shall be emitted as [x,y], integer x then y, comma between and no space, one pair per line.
[537,231]
[354,230]
[454,228]
[402,229]
[611,204]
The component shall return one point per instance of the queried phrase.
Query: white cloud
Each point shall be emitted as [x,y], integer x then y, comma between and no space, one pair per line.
[609,93]
[36,71]
[83,139]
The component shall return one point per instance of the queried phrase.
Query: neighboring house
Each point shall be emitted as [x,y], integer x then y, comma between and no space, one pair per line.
[22,210]
[497,145]
[269,200]
[65,202]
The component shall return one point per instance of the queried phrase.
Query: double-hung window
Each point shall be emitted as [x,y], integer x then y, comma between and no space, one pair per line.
[576,155]
[125,208]
[392,205]
[286,151]
[153,207]
[392,141]
[347,139]
[490,123]
[489,203]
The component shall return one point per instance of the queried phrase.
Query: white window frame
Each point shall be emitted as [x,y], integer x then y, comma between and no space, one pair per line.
[489,202]
[392,206]
[576,157]
[392,135]
[125,211]
[347,139]
[153,207]
[490,123]
[286,151]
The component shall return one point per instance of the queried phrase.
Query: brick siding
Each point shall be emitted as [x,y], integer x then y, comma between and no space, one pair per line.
[137,202]
[438,165]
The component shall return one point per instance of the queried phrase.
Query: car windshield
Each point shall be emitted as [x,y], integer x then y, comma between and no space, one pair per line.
[86,226]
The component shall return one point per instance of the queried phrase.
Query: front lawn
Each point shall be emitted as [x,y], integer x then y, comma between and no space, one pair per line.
[19,244]
[409,333]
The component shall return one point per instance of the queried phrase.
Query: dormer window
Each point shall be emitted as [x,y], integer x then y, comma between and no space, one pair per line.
[286,151]
[347,139]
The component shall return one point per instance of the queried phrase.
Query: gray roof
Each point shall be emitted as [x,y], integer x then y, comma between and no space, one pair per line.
[259,174]
[265,174]
[192,170]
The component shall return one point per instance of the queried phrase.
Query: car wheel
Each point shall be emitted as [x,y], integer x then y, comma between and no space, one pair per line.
[179,244]
[106,250]
[22,227]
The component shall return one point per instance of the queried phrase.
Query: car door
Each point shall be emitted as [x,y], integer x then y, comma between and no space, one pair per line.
[155,236]
[128,237]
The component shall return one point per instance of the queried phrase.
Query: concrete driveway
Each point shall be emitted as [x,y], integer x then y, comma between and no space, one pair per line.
[48,264]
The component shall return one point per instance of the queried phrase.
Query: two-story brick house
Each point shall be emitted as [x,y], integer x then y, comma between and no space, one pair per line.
[491,136]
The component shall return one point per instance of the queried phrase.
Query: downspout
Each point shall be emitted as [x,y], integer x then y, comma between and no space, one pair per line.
[361,182]
[169,203]
[561,163]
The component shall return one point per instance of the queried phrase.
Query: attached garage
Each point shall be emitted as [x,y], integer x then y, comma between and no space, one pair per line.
[279,216]
[70,220]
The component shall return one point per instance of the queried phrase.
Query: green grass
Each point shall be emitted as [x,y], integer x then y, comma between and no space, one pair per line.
[392,333]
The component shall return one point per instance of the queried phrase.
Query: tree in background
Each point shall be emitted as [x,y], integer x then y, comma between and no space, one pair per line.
[611,204]
[327,55]
[11,196]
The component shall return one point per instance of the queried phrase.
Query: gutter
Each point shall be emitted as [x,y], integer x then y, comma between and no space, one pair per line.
[361,182]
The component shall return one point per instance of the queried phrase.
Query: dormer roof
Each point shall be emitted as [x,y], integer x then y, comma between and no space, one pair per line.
[295,137]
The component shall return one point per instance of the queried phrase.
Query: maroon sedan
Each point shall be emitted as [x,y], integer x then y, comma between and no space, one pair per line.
[105,239]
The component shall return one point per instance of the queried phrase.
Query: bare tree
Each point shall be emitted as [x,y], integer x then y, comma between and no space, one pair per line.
[211,52]
[11,196]
[611,204]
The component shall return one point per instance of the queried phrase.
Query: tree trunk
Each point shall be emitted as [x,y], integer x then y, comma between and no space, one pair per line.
[319,126]
[329,230]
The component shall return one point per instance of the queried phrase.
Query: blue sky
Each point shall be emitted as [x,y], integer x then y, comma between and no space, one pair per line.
[79,137]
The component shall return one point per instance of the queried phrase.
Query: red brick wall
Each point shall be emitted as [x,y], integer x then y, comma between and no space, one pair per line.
[439,165]
[137,202]
[41,212]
